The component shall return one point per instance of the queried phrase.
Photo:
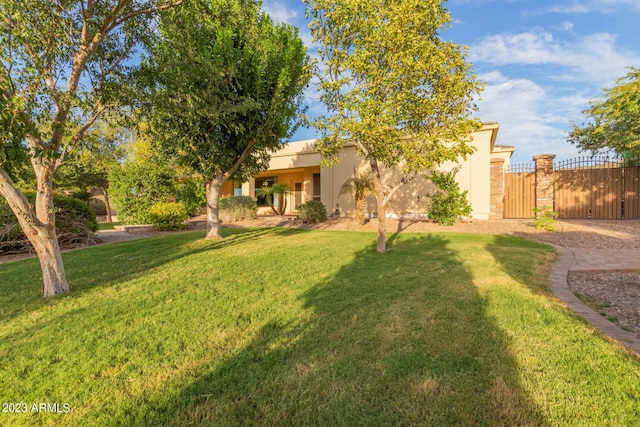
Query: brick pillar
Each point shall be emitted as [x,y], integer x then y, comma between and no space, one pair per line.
[544,180]
[497,189]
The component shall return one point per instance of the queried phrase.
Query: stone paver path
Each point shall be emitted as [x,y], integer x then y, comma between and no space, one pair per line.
[605,260]
[574,259]
[112,236]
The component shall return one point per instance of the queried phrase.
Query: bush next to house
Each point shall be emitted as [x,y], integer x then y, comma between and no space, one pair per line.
[75,223]
[448,203]
[168,216]
[136,186]
[312,211]
[236,208]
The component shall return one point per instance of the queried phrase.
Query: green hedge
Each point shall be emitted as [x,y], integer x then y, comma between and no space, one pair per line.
[448,203]
[136,186]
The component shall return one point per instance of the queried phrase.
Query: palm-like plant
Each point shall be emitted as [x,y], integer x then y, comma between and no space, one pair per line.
[281,191]
[360,185]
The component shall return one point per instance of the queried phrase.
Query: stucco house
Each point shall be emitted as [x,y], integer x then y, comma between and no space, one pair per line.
[298,165]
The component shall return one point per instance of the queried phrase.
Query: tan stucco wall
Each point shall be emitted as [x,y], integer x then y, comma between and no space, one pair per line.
[227,189]
[504,153]
[297,161]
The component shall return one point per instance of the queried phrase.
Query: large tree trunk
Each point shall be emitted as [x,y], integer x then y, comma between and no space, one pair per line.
[54,279]
[39,227]
[382,212]
[107,204]
[214,188]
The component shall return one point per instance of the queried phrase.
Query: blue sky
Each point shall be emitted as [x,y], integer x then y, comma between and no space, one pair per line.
[542,60]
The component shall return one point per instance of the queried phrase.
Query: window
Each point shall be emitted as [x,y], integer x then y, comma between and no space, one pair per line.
[297,191]
[237,188]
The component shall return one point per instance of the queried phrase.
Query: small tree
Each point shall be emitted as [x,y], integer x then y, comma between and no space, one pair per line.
[360,185]
[273,193]
[394,88]
[615,121]
[224,110]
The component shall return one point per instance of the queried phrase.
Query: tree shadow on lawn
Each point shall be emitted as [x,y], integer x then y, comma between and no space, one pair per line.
[513,255]
[99,267]
[396,339]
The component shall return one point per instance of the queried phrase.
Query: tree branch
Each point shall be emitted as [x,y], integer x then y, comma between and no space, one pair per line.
[405,180]
[46,71]
[18,203]
[151,10]
[243,156]
[97,112]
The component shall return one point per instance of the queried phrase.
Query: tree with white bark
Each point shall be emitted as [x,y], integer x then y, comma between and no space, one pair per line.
[62,65]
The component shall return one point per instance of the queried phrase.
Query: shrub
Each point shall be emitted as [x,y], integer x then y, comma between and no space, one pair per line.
[192,194]
[136,186]
[448,202]
[545,218]
[236,208]
[75,223]
[312,211]
[73,216]
[168,216]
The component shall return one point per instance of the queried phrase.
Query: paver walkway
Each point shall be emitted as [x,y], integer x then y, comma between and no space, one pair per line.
[112,236]
[574,259]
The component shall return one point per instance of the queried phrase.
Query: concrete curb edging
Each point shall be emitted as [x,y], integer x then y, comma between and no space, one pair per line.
[560,287]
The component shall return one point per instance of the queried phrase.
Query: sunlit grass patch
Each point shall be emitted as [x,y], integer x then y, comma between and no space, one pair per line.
[291,327]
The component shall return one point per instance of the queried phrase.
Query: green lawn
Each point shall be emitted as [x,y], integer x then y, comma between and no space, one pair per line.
[290,327]
[107,225]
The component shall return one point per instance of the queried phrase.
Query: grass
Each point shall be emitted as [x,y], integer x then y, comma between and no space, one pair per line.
[292,327]
[107,225]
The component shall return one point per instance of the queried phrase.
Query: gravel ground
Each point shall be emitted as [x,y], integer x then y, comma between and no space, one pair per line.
[615,295]
[600,234]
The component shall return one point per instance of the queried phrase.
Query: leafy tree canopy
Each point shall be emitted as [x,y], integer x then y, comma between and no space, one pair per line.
[235,100]
[100,150]
[614,122]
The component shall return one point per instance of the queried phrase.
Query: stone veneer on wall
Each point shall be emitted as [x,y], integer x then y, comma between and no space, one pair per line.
[497,189]
[544,180]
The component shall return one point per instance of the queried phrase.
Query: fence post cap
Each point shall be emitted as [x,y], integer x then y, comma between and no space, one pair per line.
[544,156]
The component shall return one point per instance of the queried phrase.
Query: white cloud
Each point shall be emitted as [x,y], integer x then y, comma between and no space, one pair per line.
[566,26]
[597,6]
[530,117]
[592,58]
[279,12]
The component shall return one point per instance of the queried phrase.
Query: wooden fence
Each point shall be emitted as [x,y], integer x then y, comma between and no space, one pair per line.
[584,188]
[519,191]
